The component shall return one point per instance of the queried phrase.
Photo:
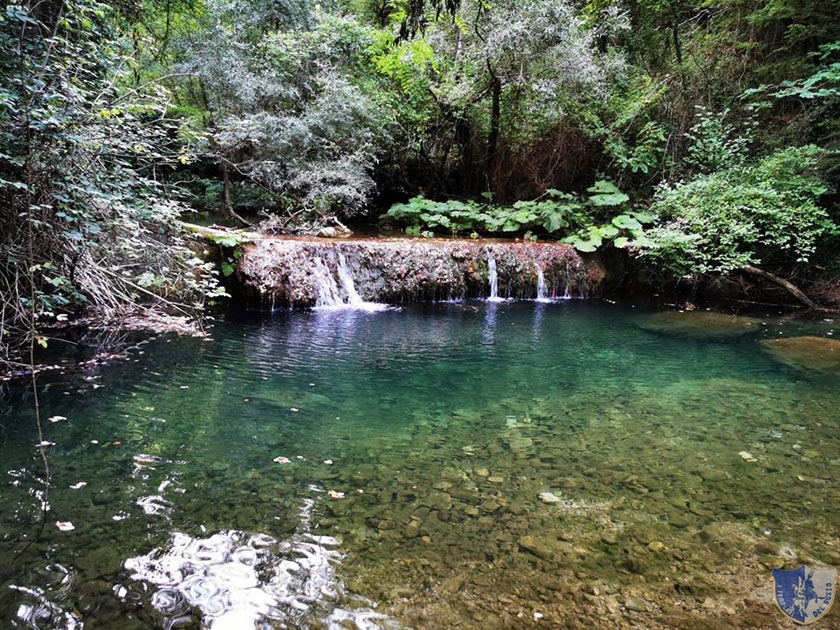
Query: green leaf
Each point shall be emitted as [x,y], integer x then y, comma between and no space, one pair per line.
[626,222]
[582,245]
[226,240]
[608,231]
[614,199]
[644,217]
[554,222]
[606,194]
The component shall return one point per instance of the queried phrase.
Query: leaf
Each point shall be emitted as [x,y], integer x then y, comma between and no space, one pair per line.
[621,242]
[226,240]
[588,242]
[608,231]
[554,222]
[644,217]
[626,222]
[612,199]
[228,268]
[582,245]
[603,186]
[606,194]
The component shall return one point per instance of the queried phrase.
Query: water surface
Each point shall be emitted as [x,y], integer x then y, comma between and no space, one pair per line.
[483,464]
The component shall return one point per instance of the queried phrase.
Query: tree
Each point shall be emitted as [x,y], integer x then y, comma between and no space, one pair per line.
[288,119]
[85,223]
[760,213]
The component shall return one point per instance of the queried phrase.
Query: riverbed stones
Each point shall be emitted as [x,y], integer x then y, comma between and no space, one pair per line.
[549,549]
[636,604]
[549,497]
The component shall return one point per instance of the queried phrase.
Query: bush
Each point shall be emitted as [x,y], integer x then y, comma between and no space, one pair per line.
[765,212]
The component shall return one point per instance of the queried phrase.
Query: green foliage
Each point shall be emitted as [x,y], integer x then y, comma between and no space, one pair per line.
[763,212]
[824,83]
[583,223]
[84,222]
[715,143]
[457,217]
[296,111]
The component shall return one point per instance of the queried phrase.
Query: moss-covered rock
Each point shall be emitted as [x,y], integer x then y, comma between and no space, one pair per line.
[698,324]
[812,353]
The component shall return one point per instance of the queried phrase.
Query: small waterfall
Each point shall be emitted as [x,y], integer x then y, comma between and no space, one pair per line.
[326,288]
[493,277]
[541,295]
[353,299]
[567,294]
[330,295]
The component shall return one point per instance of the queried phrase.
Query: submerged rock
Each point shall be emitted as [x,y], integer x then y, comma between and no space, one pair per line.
[698,323]
[812,353]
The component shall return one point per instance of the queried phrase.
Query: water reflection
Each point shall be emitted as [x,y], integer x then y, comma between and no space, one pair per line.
[239,580]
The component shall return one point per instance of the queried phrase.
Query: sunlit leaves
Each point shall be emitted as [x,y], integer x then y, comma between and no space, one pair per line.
[761,212]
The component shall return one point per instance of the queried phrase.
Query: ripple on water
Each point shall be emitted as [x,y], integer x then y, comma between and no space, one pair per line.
[219,575]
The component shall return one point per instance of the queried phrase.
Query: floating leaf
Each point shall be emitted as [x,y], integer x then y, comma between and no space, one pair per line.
[333,494]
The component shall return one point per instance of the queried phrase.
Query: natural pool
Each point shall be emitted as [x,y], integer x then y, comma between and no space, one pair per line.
[485,465]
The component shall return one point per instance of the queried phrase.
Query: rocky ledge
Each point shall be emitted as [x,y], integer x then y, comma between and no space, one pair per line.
[310,272]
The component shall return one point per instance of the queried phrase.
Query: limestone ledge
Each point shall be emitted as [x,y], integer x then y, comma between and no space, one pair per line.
[293,271]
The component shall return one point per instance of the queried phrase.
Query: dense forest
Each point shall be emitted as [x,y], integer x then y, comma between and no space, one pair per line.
[699,137]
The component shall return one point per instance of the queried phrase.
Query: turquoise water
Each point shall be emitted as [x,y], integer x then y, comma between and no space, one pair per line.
[482,464]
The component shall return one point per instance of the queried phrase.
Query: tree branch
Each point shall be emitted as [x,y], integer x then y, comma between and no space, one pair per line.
[786,285]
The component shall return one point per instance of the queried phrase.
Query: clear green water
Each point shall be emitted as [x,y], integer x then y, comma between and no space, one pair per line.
[443,425]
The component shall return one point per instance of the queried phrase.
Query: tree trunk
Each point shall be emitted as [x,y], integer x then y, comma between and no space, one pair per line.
[787,286]
[226,201]
[495,125]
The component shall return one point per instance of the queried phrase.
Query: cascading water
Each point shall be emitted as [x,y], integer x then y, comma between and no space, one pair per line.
[347,283]
[331,295]
[541,295]
[493,278]
[326,288]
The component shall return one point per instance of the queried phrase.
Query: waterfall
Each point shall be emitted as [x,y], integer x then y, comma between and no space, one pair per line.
[280,272]
[493,277]
[541,296]
[330,296]
[326,288]
[344,275]
[567,294]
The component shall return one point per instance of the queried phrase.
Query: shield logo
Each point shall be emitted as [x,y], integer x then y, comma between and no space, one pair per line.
[804,594]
